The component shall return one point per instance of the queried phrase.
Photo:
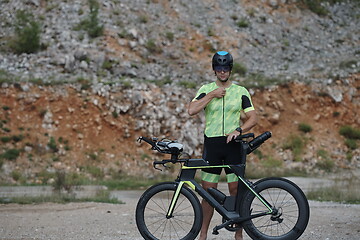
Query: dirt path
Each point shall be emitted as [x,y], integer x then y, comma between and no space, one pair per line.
[99,221]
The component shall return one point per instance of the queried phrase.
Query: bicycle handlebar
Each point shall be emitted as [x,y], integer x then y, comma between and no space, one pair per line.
[165,146]
[174,148]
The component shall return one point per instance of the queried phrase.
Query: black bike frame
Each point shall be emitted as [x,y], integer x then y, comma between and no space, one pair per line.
[187,175]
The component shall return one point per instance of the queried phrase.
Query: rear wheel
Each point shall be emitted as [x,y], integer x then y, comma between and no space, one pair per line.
[151,210]
[291,214]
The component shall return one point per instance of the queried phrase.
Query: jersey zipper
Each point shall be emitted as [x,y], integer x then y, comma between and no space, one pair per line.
[223,125]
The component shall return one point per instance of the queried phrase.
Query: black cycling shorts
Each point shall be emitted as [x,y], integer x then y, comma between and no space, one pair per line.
[218,152]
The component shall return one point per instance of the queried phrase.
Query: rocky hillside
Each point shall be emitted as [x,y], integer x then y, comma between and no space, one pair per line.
[78,103]
[172,41]
[93,132]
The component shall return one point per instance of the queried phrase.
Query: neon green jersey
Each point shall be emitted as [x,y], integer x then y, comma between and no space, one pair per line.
[223,114]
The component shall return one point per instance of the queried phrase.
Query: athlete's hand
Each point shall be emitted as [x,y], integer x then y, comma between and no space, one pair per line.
[231,136]
[219,92]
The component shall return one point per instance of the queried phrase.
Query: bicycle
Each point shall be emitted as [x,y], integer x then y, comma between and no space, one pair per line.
[270,209]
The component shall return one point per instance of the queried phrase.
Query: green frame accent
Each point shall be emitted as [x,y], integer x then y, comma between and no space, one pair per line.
[198,188]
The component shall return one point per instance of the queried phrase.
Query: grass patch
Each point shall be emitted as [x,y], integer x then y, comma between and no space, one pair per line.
[325,162]
[242,23]
[272,168]
[102,196]
[124,182]
[296,144]
[342,191]
[304,127]
[260,81]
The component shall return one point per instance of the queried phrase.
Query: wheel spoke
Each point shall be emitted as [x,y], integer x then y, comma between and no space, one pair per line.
[289,205]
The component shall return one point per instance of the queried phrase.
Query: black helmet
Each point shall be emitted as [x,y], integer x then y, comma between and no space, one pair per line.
[222,60]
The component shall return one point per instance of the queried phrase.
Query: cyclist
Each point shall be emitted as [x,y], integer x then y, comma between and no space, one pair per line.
[223,101]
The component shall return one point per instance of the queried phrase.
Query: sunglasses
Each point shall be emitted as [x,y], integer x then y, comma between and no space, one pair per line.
[222,68]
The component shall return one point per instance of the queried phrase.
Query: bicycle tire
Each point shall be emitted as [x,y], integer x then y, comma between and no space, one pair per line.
[285,196]
[153,205]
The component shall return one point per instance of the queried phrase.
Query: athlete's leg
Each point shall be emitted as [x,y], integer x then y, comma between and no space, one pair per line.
[233,191]
[208,211]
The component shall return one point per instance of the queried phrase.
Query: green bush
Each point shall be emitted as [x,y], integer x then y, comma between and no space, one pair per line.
[5,139]
[27,33]
[242,23]
[16,175]
[304,127]
[91,24]
[296,145]
[351,143]
[315,6]
[10,154]
[152,47]
[52,144]
[169,36]
[95,172]
[17,138]
[350,132]
[325,162]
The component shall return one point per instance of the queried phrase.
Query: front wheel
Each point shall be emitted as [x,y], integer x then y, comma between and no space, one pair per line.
[151,210]
[291,214]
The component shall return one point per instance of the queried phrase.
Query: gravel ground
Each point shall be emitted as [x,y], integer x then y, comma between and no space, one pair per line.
[99,221]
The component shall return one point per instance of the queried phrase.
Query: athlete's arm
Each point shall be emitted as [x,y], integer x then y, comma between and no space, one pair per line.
[250,122]
[196,106]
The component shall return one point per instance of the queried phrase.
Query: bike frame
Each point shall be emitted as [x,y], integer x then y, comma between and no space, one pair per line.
[187,175]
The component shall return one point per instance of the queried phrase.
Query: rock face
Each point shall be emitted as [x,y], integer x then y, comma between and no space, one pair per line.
[173,41]
[75,128]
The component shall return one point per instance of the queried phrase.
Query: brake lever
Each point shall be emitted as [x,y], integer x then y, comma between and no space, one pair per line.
[162,163]
[157,167]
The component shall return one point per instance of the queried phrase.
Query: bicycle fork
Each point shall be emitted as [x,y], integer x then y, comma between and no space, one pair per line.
[174,199]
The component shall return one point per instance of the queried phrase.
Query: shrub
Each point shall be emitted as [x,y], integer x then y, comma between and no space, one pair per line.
[27,33]
[95,172]
[152,47]
[17,138]
[52,144]
[296,145]
[316,7]
[351,143]
[348,64]
[16,175]
[242,23]
[350,132]
[60,182]
[303,127]
[326,163]
[10,154]
[5,139]
[169,36]
[91,24]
